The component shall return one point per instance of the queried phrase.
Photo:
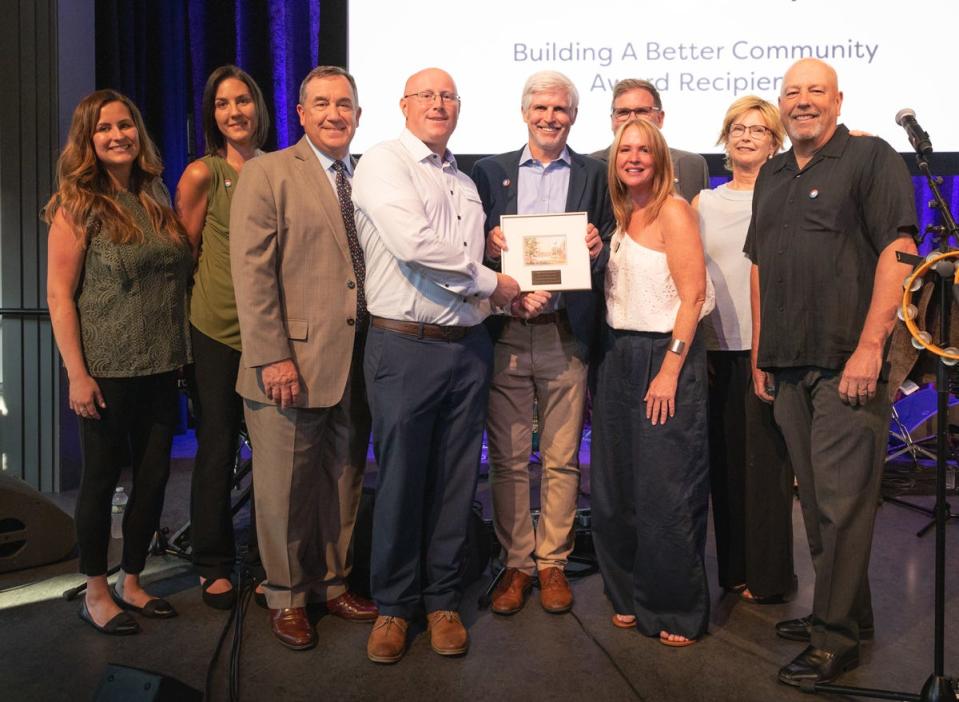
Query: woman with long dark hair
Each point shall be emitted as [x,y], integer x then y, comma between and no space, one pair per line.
[235,125]
[118,268]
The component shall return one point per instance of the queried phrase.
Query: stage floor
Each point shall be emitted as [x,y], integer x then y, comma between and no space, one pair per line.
[47,653]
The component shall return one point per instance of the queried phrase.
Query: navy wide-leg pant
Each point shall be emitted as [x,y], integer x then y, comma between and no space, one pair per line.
[650,487]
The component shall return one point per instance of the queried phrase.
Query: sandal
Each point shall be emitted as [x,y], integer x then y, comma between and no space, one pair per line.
[675,644]
[624,621]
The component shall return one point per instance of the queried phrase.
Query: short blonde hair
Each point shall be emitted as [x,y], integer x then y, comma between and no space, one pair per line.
[662,178]
[768,111]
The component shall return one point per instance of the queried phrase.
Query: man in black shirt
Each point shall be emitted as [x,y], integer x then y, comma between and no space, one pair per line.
[828,218]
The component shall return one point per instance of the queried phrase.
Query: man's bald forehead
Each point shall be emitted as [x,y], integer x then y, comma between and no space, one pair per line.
[820,69]
[425,76]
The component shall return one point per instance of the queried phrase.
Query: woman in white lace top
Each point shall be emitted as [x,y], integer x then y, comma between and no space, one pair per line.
[650,484]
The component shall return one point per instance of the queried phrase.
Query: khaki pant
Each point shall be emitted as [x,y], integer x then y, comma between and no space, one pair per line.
[545,363]
[307,477]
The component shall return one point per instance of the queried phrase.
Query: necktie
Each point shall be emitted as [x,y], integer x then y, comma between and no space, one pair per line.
[344,193]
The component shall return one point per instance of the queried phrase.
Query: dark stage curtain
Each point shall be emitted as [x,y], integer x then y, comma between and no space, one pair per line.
[160,54]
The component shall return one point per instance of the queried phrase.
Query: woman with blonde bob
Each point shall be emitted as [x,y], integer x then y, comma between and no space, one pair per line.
[650,485]
[750,473]
[118,267]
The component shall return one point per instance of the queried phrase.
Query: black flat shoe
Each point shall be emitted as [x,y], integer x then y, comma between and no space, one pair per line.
[761,600]
[121,625]
[156,608]
[260,597]
[817,665]
[798,630]
[217,600]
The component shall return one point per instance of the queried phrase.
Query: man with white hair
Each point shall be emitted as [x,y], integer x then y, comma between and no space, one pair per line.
[541,362]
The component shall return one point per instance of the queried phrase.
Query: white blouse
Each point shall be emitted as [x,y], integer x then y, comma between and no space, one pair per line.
[724,216]
[640,292]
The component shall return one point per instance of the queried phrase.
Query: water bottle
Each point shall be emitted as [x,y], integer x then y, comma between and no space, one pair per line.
[119,503]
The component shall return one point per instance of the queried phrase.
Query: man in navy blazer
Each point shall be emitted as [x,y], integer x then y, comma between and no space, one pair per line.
[542,362]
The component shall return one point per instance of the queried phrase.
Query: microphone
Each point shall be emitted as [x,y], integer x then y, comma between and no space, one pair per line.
[918,136]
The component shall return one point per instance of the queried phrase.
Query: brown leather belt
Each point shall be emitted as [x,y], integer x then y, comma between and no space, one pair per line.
[558,317]
[421,330]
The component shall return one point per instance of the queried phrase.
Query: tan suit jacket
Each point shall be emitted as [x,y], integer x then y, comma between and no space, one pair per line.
[291,267]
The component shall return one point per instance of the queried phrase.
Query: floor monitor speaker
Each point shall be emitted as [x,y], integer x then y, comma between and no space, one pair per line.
[33,530]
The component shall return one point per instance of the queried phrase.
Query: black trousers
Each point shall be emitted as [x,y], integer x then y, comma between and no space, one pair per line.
[218,410]
[428,399]
[138,421]
[750,480]
[837,452]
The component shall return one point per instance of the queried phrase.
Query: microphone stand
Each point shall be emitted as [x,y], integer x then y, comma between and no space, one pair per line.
[937,688]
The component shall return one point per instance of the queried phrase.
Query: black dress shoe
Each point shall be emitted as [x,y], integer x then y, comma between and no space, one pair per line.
[817,665]
[798,630]
[121,625]
[156,608]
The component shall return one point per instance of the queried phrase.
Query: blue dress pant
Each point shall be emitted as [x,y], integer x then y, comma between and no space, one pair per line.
[428,399]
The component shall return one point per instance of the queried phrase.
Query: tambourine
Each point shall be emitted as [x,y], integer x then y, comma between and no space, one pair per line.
[908,312]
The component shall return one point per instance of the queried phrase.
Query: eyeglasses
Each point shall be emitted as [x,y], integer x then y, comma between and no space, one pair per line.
[428,96]
[756,131]
[622,113]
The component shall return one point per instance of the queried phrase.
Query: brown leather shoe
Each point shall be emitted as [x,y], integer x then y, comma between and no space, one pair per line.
[292,627]
[352,607]
[554,592]
[387,642]
[448,636]
[511,591]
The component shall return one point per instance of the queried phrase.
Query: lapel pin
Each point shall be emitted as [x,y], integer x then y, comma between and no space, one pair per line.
[506,182]
[813,194]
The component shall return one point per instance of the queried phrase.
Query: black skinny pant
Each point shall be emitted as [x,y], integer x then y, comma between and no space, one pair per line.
[218,410]
[138,421]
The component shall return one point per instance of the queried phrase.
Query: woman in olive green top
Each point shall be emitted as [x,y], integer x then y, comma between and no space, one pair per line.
[118,269]
[235,122]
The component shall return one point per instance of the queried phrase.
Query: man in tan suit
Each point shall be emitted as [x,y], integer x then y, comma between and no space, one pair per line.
[299,273]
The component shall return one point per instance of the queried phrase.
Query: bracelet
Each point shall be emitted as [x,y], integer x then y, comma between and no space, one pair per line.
[677,346]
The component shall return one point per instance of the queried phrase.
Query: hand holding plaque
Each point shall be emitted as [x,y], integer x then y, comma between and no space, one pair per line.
[547,251]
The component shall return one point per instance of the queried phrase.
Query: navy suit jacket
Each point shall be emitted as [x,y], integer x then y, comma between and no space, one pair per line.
[497,180]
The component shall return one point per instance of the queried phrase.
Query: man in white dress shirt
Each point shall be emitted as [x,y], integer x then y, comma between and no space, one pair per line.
[428,357]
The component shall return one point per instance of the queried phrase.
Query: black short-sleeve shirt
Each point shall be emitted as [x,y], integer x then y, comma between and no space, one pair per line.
[816,235]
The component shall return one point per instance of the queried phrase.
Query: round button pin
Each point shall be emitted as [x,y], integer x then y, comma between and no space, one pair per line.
[813,194]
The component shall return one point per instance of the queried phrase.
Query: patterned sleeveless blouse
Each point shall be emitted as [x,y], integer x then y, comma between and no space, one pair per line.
[132,301]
